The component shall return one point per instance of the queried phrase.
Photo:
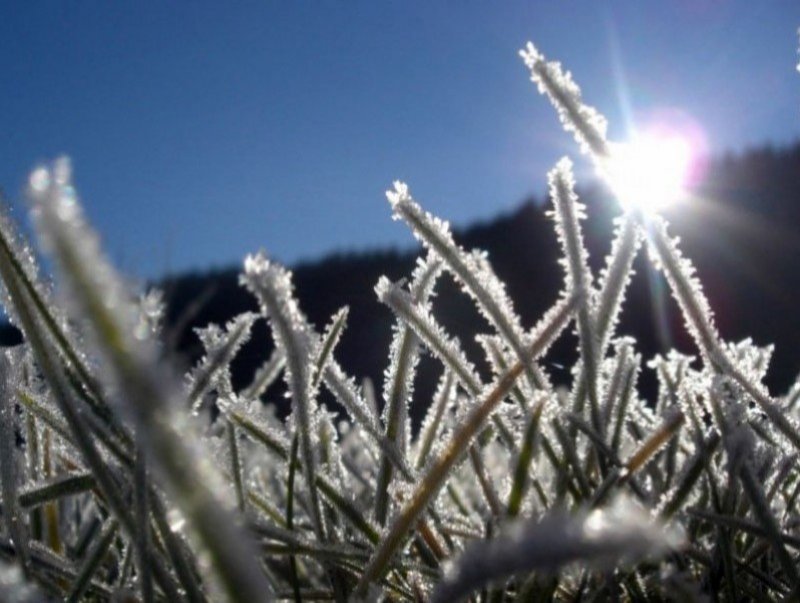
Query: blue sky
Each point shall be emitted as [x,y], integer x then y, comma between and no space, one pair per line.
[202,131]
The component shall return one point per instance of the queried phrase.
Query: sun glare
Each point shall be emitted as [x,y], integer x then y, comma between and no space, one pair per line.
[651,171]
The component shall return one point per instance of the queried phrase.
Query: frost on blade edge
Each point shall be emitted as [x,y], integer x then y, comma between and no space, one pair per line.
[586,123]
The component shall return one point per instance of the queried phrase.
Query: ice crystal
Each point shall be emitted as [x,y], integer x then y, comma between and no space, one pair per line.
[220,349]
[151,313]
[471,270]
[602,536]
[420,319]
[615,277]
[586,123]
[686,288]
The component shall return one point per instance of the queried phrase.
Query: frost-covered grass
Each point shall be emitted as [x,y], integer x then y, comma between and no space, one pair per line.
[114,479]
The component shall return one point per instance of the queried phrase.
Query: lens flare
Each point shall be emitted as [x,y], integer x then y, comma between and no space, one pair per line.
[649,172]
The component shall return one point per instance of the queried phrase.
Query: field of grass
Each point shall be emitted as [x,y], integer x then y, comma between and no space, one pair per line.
[122,480]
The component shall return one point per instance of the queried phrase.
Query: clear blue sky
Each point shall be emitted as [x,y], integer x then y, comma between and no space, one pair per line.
[201,131]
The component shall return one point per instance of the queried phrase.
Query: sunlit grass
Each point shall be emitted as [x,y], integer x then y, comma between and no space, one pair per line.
[129,478]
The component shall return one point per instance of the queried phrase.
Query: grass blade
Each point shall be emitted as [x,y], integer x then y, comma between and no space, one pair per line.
[551,326]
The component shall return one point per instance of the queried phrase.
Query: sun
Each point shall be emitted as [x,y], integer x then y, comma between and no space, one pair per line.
[650,171]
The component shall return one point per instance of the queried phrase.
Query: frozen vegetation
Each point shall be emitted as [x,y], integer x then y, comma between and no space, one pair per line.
[121,480]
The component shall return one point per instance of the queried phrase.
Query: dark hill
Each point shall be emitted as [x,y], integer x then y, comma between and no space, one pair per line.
[521,245]
[741,232]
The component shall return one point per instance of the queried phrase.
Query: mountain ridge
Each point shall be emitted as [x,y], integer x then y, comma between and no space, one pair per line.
[740,231]
[726,231]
